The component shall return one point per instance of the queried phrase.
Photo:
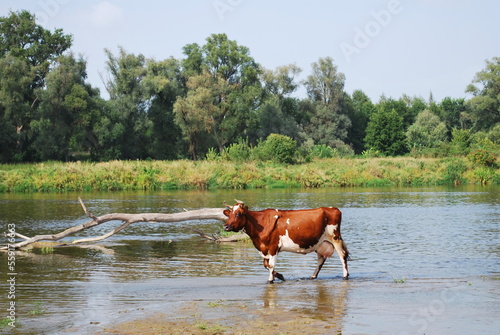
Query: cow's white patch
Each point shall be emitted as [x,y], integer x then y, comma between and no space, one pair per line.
[287,221]
[235,207]
[272,264]
[287,244]
[276,217]
[264,256]
[330,229]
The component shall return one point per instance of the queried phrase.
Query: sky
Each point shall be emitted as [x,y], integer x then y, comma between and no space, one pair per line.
[386,47]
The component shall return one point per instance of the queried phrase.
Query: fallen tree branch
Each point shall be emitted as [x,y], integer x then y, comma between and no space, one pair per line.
[127,220]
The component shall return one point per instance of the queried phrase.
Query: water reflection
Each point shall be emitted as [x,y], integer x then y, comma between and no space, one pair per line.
[320,299]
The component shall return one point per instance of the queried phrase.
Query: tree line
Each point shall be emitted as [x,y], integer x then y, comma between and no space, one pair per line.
[216,98]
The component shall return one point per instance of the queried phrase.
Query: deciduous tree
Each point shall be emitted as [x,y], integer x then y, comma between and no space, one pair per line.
[224,92]
[26,52]
[385,132]
[428,131]
[325,88]
[485,87]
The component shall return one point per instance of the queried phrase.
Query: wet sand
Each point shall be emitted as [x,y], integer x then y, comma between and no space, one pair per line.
[326,306]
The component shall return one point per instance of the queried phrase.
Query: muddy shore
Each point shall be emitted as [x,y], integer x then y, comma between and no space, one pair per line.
[325,306]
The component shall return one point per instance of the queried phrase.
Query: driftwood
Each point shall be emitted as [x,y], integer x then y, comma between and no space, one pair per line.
[127,220]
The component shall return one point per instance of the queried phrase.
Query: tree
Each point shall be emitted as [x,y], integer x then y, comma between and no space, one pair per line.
[125,130]
[325,88]
[428,131]
[196,114]
[163,83]
[362,109]
[27,51]
[385,132]
[454,113]
[22,38]
[224,92]
[279,112]
[401,106]
[15,109]
[485,105]
[69,107]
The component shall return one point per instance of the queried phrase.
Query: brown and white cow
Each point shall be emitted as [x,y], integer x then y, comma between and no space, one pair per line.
[300,231]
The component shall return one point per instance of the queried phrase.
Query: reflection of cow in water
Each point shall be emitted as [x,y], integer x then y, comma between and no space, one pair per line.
[299,231]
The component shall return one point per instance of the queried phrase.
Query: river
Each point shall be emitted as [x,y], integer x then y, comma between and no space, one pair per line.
[424,260]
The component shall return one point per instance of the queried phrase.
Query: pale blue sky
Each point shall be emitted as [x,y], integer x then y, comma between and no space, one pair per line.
[390,47]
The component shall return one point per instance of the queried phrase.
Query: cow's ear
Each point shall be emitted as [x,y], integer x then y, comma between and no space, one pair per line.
[245,208]
[227,212]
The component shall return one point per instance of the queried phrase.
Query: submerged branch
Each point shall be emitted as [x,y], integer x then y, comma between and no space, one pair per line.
[127,220]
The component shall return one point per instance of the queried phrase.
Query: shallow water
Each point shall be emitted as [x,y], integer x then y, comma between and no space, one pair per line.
[425,260]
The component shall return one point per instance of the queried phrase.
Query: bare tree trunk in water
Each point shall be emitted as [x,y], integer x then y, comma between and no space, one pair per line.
[127,220]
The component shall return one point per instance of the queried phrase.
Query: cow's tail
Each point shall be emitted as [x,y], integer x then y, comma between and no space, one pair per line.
[347,255]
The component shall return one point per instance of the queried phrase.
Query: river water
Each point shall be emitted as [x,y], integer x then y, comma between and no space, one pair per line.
[424,260]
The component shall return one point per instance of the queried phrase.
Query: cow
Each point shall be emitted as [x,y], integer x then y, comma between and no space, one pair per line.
[300,231]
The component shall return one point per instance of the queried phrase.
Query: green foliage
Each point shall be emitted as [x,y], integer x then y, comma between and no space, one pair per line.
[222,89]
[453,113]
[427,131]
[277,148]
[67,112]
[385,133]
[359,114]
[461,140]
[482,157]
[4,322]
[220,174]
[322,151]
[237,152]
[454,171]
[485,105]
[328,121]
[27,51]
[371,153]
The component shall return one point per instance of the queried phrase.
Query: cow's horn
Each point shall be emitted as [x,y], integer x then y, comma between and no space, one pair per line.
[239,201]
[230,207]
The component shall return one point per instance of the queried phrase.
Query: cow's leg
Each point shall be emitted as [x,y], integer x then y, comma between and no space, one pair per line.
[321,261]
[324,251]
[341,249]
[269,264]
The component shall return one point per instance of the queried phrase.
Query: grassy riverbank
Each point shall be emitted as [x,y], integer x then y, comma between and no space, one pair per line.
[165,175]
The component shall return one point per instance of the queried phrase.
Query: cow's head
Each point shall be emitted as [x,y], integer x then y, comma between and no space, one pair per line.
[236,216]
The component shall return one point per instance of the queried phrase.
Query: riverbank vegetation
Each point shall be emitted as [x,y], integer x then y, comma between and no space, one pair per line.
[221,174]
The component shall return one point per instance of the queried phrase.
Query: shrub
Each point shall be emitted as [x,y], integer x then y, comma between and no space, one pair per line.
[455,168]
[460,141]
[277,148]
[371,153]
[482,157]
[212,155]
[322,151]
[237,152]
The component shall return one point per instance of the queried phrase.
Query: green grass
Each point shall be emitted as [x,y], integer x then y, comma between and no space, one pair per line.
[399,280]
[4,322]
[215,328]
[37,309]
[184,174]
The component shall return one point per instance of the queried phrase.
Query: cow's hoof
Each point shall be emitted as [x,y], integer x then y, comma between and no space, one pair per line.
[270,281]
[313,277]
[346,277]
[280,276]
